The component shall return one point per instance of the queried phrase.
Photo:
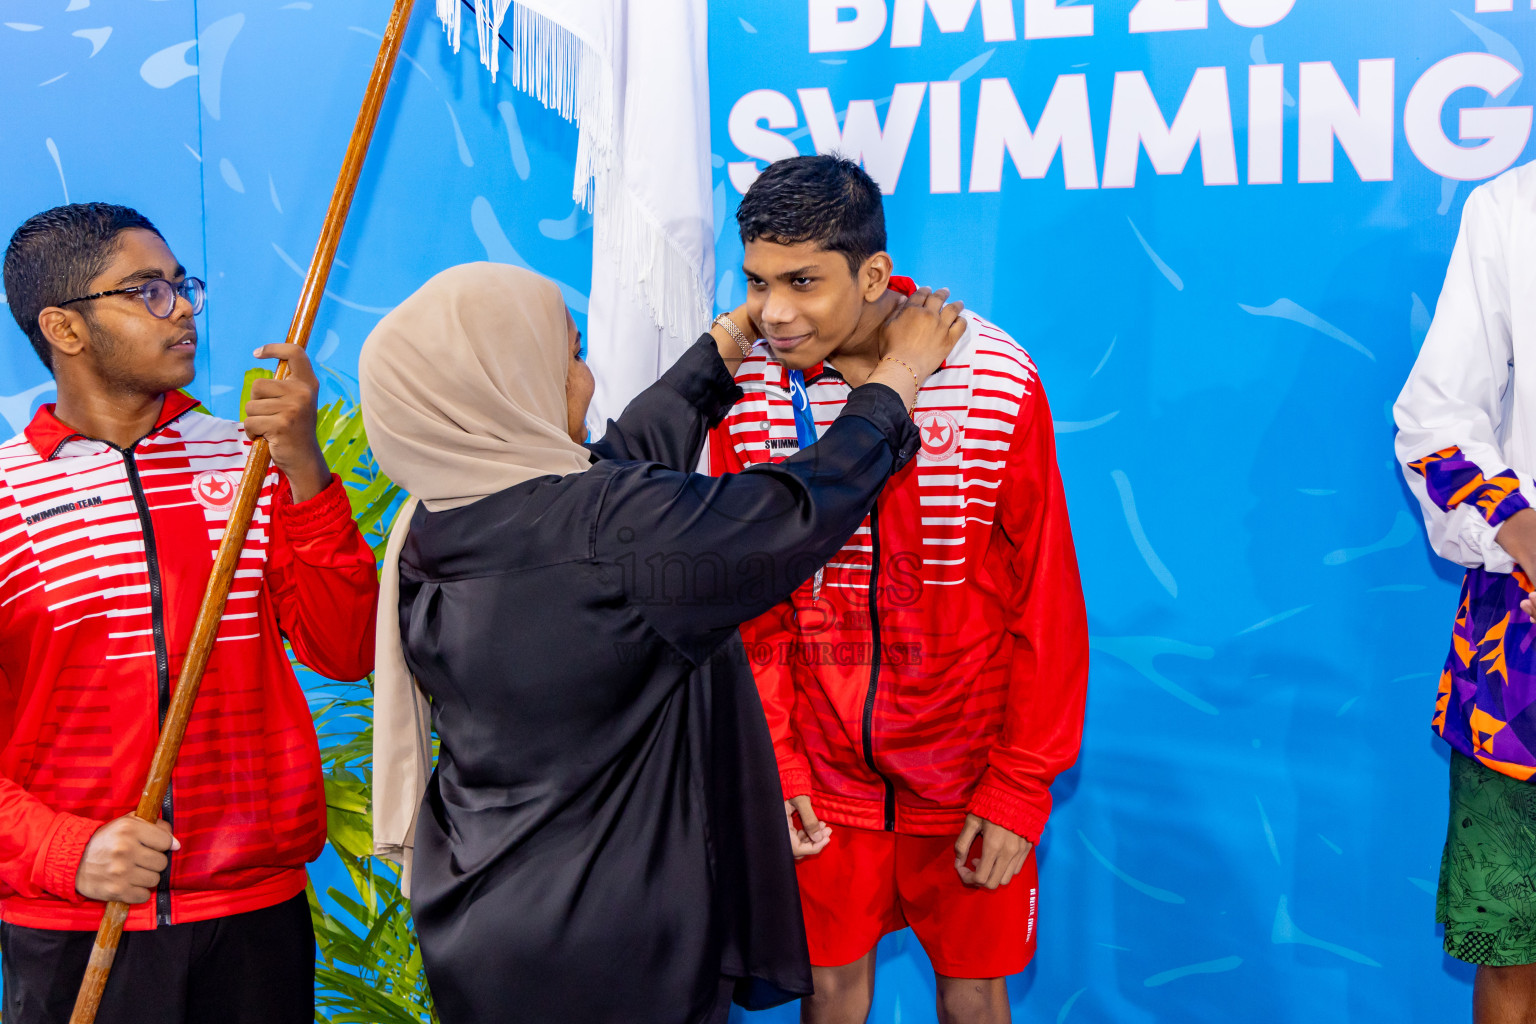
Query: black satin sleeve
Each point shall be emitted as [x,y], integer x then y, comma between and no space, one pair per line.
[700,555]
[669,421]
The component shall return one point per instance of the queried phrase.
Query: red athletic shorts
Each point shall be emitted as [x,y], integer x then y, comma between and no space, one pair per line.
[866,884]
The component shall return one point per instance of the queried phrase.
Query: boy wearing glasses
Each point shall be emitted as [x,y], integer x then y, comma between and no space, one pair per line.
[112,503]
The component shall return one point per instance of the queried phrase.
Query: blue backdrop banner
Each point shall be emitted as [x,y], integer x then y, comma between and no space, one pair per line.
[1219,226]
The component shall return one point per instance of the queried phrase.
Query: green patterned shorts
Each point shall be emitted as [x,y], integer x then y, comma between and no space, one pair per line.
[1487,898]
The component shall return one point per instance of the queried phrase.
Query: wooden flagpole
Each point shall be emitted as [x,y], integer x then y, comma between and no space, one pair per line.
[256,465]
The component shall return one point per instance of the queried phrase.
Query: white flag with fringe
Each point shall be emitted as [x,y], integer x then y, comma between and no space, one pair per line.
[634,78]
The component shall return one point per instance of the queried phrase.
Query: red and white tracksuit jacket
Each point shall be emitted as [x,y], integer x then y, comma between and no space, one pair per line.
[104,556]
[938,664]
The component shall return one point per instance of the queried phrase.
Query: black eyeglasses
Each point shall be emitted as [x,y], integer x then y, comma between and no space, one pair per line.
[159,295]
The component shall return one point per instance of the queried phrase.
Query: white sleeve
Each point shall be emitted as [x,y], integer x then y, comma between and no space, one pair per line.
[1449,413]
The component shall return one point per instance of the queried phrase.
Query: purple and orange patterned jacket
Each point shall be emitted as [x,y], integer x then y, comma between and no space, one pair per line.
[1467,444]
[1486,705]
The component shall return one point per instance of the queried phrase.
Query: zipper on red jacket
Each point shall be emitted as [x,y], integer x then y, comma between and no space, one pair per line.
[162,661]
[874,667]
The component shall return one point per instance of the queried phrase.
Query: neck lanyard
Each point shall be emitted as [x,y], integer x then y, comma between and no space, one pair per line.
[805,431]
[800,401]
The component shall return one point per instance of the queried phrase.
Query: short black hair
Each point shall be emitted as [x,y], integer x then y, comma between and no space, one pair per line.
[825,199]
[56,255]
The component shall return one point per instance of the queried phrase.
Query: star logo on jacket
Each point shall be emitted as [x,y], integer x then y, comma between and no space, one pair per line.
[940,434]
[215,490]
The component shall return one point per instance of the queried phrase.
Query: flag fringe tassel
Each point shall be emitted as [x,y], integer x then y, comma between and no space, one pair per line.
[556,67]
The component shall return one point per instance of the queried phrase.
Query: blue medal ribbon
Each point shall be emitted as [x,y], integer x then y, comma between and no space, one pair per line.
[805,431]
[800,401]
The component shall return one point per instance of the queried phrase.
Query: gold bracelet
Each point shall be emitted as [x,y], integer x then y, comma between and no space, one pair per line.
[725,322]
[917,383]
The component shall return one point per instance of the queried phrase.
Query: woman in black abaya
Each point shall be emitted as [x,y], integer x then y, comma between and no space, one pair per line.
[603,840]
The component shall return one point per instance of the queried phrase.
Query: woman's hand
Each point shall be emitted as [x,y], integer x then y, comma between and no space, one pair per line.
[726,343]
[915,340]
[923,331]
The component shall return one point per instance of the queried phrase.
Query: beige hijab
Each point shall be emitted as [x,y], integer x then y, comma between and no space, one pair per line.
[463,388]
